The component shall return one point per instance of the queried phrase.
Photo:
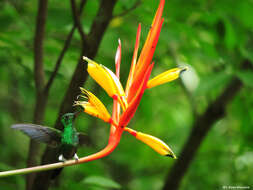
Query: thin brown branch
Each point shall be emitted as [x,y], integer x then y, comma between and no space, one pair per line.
[76,18]
[39,77]
[134,6]
[59,60]
[202,125]
[64,50]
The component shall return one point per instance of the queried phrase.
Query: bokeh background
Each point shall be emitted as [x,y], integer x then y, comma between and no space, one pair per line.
[213,38]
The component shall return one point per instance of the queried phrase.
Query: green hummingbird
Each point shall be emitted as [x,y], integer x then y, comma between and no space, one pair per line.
[67,140]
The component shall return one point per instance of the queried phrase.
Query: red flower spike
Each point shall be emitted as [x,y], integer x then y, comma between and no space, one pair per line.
[130,111]
[116,105]
[139,74]
[133,65]
[148,50]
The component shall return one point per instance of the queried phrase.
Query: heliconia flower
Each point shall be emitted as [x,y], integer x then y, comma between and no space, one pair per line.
[138,81]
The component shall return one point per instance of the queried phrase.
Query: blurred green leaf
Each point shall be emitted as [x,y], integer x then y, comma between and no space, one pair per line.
[246,77]
[5,167]
[244,12]
[230,35]
[212,82]
[101,181]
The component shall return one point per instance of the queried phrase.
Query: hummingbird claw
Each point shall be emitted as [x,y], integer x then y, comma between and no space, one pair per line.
[76,157]
[61,158]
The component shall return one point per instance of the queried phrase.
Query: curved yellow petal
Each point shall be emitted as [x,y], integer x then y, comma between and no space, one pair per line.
[153,142]
[156,144]
[107,80]
[89,109]
[93,106]
[165,77]
[119,92]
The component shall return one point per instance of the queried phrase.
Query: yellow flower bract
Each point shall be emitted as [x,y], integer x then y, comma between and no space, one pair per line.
[165,77]
[156,144]
[107,80]
[153,142]
[93,106]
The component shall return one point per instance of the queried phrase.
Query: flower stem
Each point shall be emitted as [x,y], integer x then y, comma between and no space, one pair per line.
[36,168]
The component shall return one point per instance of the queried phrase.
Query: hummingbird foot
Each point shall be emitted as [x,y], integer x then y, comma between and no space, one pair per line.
[76,157]
[61,158]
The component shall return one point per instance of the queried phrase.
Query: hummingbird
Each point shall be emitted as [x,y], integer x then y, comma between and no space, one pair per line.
[67,140]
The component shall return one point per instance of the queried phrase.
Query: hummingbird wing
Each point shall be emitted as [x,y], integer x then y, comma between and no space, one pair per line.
[50,136]
[84,139]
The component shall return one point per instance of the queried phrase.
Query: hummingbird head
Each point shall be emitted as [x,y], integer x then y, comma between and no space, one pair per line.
[68,118]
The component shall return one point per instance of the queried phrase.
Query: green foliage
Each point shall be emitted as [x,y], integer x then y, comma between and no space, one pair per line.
[213,37]
[246,77]
[104,183]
